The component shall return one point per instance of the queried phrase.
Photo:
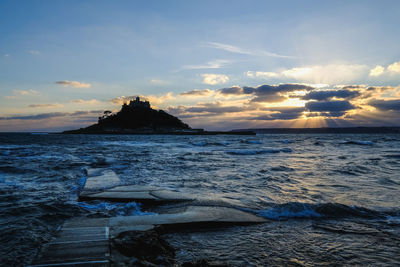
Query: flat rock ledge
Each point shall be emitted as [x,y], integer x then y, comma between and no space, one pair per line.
[105,185]
[88,242]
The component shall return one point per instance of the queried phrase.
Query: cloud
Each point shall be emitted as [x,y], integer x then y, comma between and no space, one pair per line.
[335,108]
[377,71]
[74,84]
[33,52]
[326,74]
[197,92]
[159,82]
[214,79]
[229,48]
[86,102]
[385,105]
[6,55]
[17,93]
[260,74]
[395,67]
[318,74]
[215,108]
[238,50]
[56,105]
[215,64]
[204,109]
[328,95]
[25,92]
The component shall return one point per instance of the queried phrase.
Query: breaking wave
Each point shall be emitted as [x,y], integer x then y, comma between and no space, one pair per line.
[327,210]
[358,142]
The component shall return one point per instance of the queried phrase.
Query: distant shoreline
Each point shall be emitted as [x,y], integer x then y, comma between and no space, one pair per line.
[327,130]
[163,133]
[251,131]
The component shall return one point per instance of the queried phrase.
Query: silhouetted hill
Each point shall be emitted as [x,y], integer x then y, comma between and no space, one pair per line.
[137,117]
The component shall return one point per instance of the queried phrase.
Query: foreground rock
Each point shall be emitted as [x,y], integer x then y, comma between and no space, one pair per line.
[86,242]
[142,248]
[149,248]
[189,217]
[103,184]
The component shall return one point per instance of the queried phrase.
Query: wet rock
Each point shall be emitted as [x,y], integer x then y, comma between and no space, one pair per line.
[146,248]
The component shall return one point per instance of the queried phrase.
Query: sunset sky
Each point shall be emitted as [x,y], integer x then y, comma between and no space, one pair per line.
[218,65]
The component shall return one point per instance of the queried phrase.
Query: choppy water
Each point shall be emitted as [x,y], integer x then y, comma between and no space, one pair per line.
[331,199]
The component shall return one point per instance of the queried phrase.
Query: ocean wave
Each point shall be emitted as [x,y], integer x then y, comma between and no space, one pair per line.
[395,156]
[204,143]
[252,142]
[296,210]
[201,143]
[359,142]
[258,151]
[286,141]
[114,209]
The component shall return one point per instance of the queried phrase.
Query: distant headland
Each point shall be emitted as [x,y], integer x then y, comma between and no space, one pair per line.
[137,117]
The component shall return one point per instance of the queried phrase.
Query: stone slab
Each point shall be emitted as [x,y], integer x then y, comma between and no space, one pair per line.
[100,179]
[134,188]
[123,196]
[171,195]
[140,193]
[196,215]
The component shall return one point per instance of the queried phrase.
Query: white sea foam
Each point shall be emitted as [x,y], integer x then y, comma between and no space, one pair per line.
[201,143]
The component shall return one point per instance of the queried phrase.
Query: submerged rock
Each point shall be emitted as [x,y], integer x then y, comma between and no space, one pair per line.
[146,248]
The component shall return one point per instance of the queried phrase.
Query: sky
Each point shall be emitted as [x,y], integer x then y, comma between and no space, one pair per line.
[217,65]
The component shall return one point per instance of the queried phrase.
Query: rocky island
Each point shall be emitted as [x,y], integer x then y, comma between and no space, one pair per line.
[138,117]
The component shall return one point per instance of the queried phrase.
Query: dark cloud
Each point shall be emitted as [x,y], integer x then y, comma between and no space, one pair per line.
[327,95]
[197,92]
[43,105]
[52,115]
[35,117]
[204,109]
[233,91]
[272,93]
[269,98]
[385,104]
[281,113]
[330,108]
[265,93]
[349,87]
[214,109]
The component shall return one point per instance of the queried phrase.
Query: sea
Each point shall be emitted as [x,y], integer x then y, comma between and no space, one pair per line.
[329,199]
